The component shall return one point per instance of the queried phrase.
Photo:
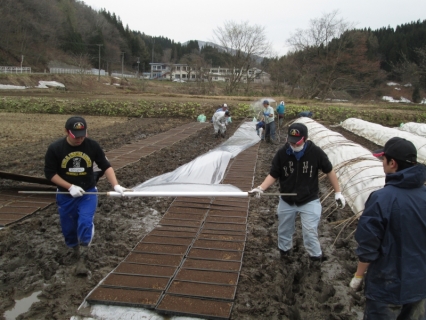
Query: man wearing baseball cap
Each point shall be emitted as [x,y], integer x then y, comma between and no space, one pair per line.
[296,167]
[69,164]
[391,236]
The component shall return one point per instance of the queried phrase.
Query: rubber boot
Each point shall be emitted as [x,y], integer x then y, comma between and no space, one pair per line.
[80,268]
[76,252]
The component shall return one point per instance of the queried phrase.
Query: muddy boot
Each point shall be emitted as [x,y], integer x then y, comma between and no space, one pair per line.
[285,256]
[76,252]
[316,261]
[80,268]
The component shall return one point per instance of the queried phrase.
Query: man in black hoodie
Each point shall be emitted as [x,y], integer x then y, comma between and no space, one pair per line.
[391,236]
[296,166]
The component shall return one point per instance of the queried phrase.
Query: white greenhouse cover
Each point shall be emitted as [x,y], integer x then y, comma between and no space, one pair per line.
[415,128]
[358,171]
[205,172]
[380,135]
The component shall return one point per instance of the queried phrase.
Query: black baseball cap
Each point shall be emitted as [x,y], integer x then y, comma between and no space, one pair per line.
[296,133]
[76,127]
[398,149]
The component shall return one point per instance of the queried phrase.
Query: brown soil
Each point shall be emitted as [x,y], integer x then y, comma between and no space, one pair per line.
[34,257]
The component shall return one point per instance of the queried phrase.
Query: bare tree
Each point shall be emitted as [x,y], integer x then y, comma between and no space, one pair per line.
[82,62]
[244,43]
[330,57]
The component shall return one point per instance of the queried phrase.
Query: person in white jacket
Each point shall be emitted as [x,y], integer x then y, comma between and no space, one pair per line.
[220,120]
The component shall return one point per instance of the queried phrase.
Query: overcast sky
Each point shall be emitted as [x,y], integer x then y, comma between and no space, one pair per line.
[183,20]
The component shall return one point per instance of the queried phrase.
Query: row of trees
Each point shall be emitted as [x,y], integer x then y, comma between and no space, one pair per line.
[330,59]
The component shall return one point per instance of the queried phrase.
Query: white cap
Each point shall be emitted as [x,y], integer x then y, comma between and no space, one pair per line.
[224,105]
[282,102]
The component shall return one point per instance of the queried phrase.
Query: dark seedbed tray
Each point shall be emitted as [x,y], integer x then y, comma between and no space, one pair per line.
[177,228]
[167,240]
[224,226]
[224,232]
[151,258]
[229,237]
[229,213]
[193,200]
[190,205]
[145,269]
[222,245]
[180,223]
[202,290]
[187,210]
[216,277]
[125,297]
[216,265]
[136,281]
[211,254]
[160,248]
[174,234]
[184,216]
[239,204]
[226,219]
[191,306]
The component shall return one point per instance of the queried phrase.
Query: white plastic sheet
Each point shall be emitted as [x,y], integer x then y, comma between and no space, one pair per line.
[380,135]
[414,128]
[358,171]
[205,172]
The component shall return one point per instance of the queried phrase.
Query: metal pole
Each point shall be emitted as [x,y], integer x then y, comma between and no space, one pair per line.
[165,193]
[122,65]
[99,69]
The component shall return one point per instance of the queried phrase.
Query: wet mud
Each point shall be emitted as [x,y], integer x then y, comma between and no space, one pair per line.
[33,256]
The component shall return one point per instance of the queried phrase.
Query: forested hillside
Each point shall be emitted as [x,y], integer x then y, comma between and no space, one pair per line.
[69,31]
[45,33]
[331,59]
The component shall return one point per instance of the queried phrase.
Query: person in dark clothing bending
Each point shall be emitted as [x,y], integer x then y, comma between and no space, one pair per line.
[69,164]
[296,167]
[391,236]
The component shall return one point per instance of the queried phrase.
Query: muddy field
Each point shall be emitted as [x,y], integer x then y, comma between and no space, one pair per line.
[33,256]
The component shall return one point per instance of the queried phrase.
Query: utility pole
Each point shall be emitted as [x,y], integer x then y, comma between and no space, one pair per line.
[99,69]
[122,65]
[22,60]
[138,68]
[153,44]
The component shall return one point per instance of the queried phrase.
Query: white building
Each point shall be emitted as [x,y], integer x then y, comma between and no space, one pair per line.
[183,72]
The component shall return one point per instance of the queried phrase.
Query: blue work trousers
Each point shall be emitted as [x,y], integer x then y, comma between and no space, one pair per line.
[310,214]
[376,310]
[76,216]
[269,131]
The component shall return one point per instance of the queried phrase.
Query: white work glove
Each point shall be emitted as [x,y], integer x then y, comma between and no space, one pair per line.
[121,189]
[340,200]
[356,282]
[76,191]
[257,191]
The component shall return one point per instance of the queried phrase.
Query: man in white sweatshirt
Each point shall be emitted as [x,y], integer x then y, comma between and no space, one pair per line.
[220,120]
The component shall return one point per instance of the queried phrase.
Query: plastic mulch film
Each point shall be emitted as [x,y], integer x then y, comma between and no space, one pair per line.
[206,172]
[380,135]
[414,128]
[358,171]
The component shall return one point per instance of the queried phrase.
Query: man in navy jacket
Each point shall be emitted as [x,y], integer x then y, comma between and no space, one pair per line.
[391,236]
